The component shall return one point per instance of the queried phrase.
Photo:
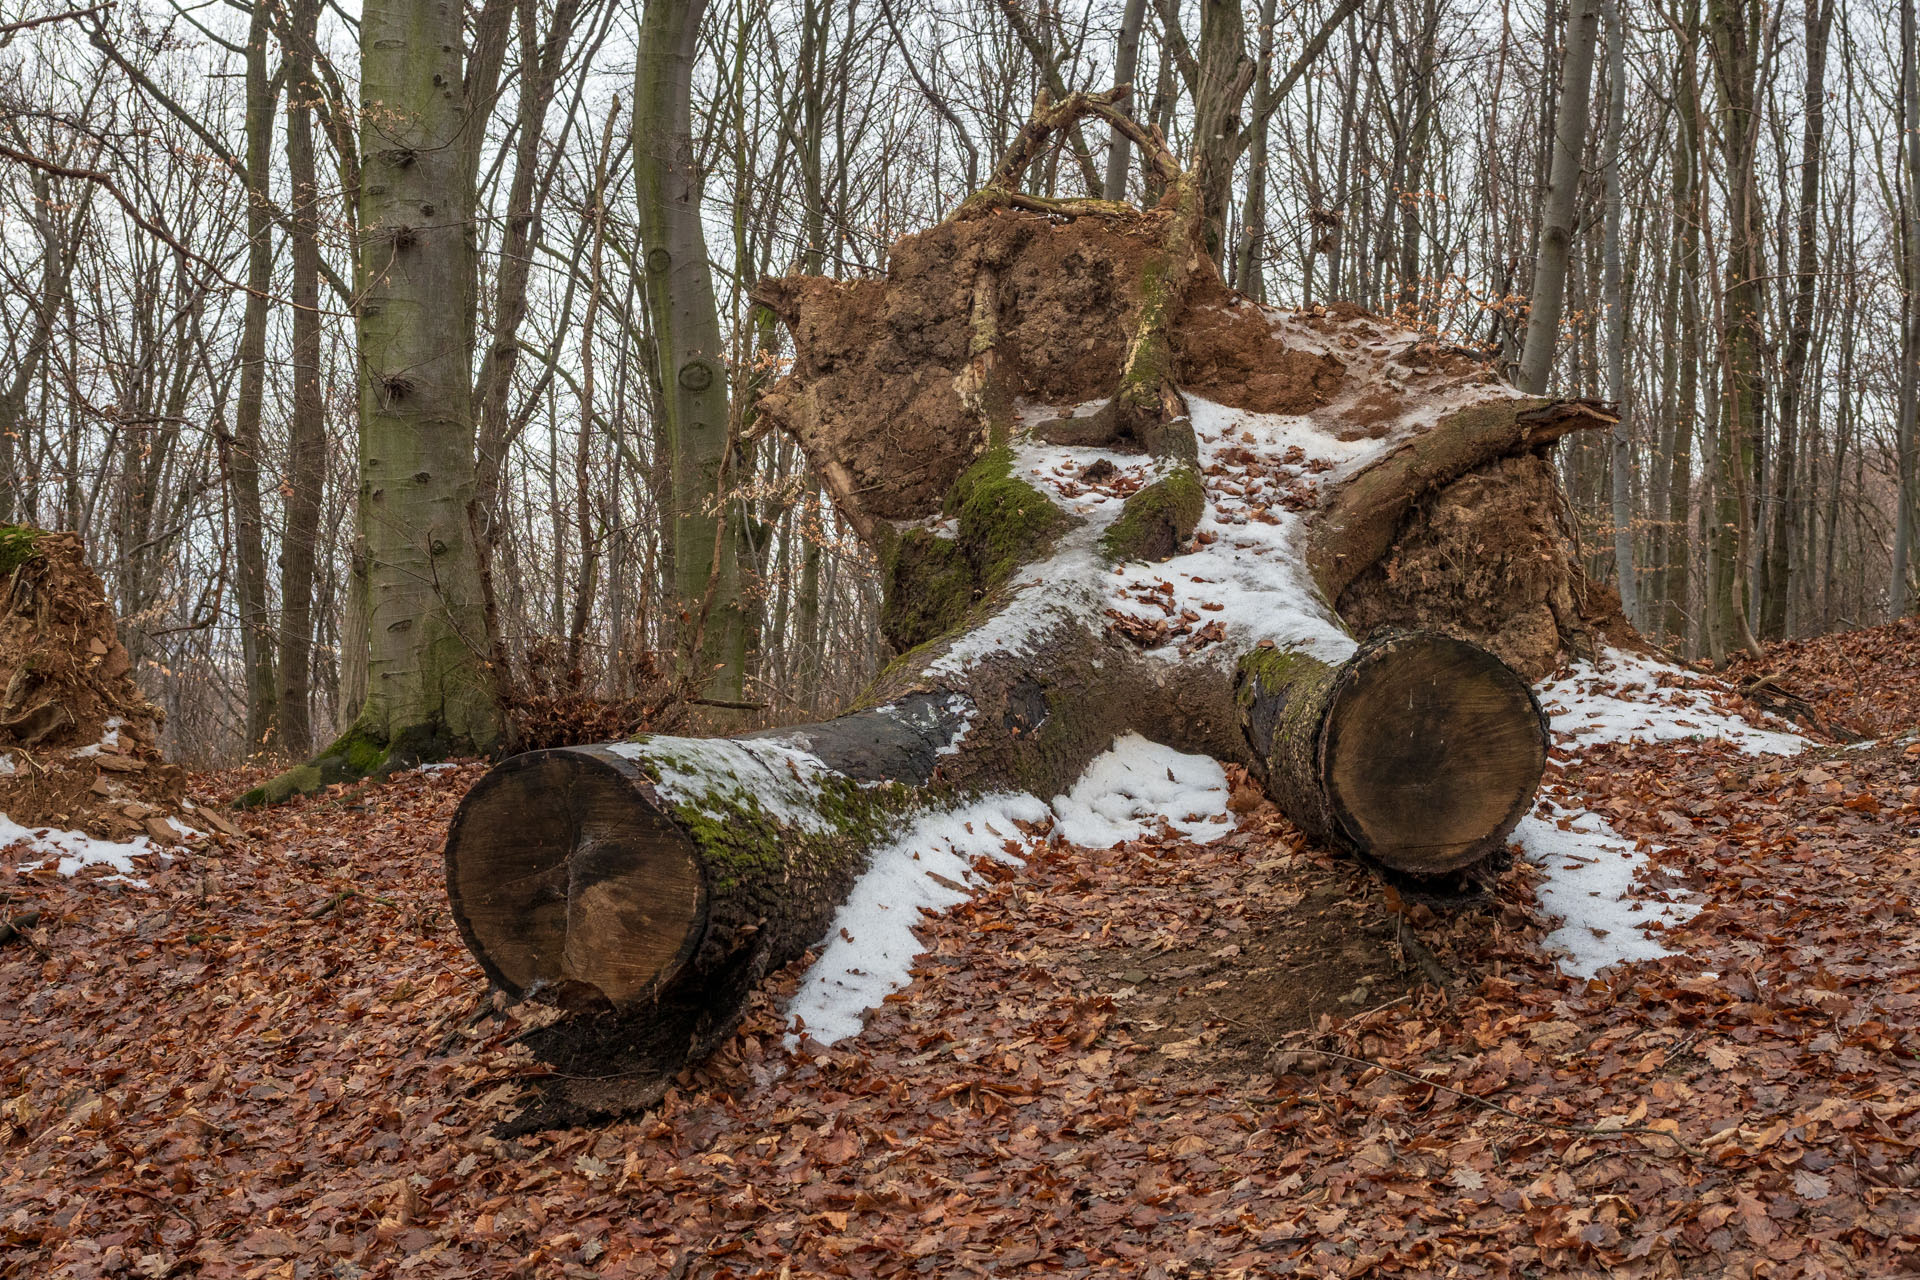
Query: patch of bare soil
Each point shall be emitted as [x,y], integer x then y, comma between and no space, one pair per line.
[1316,939]
[79,742]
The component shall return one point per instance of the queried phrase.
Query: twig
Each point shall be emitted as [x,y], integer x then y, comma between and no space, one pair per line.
[17,928]
[11,29]
[1412,947]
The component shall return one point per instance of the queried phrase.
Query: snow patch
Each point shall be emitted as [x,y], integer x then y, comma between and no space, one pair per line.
[1623,700]
[871,945]
[1132,785]
[76,850]
[109,741]
[780,779]
[1247,566]
[1590,870]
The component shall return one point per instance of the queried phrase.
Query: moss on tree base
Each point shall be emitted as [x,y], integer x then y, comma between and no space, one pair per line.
[358,753]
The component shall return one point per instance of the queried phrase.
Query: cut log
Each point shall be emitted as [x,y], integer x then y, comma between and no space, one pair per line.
[649,885]
[1420,753]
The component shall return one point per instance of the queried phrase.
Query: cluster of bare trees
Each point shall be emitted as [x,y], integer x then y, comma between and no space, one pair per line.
[394,361]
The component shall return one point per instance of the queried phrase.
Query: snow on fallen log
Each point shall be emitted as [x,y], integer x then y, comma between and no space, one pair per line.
[1128,792]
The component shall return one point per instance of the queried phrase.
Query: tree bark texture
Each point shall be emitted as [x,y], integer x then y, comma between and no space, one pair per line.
[431,691]
[1557,208]
[693,420]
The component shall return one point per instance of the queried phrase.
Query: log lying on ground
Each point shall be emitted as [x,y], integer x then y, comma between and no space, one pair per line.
[648,885]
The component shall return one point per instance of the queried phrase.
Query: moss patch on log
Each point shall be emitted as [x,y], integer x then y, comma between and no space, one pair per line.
[760,867]
[1004,521]
[932,583]
[1158,519]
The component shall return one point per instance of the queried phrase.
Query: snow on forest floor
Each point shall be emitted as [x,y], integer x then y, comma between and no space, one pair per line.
[1131,790]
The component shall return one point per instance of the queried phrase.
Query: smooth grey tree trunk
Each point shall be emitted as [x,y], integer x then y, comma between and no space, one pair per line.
[430,690]
[693,424]
[1126,65]
[1557,209]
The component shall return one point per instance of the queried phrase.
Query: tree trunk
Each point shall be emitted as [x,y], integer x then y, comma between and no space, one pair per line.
[1898,590]
[1557,209]
[431,691]
[1733,30]
[307,428]
[243,451]
[1126,65]
[1614,302]
[693,427]
[1776,586]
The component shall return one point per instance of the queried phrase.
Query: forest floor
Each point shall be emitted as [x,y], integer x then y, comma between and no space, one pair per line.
[1163,1059]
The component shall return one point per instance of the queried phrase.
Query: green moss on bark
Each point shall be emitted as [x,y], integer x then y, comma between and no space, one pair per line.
[1158,519]
[932,583]
[928,584]
[1004,521]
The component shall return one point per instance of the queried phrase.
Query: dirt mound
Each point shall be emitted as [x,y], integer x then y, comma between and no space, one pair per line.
[877,361]
[1226,350]
[877,371]
[891,382]
[1489,559]
[79,743]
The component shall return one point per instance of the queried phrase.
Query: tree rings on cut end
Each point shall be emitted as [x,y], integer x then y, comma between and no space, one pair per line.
[570,882]
[1432,753]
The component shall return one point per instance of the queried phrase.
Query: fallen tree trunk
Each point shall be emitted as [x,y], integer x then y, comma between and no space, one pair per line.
[1049,572]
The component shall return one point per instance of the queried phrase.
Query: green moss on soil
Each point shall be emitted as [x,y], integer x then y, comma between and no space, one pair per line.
[17,546]
[357,753]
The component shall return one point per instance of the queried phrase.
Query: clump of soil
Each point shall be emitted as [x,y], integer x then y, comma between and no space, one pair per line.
[79,743]
[1489,559]
[1226,350]
[875,382]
